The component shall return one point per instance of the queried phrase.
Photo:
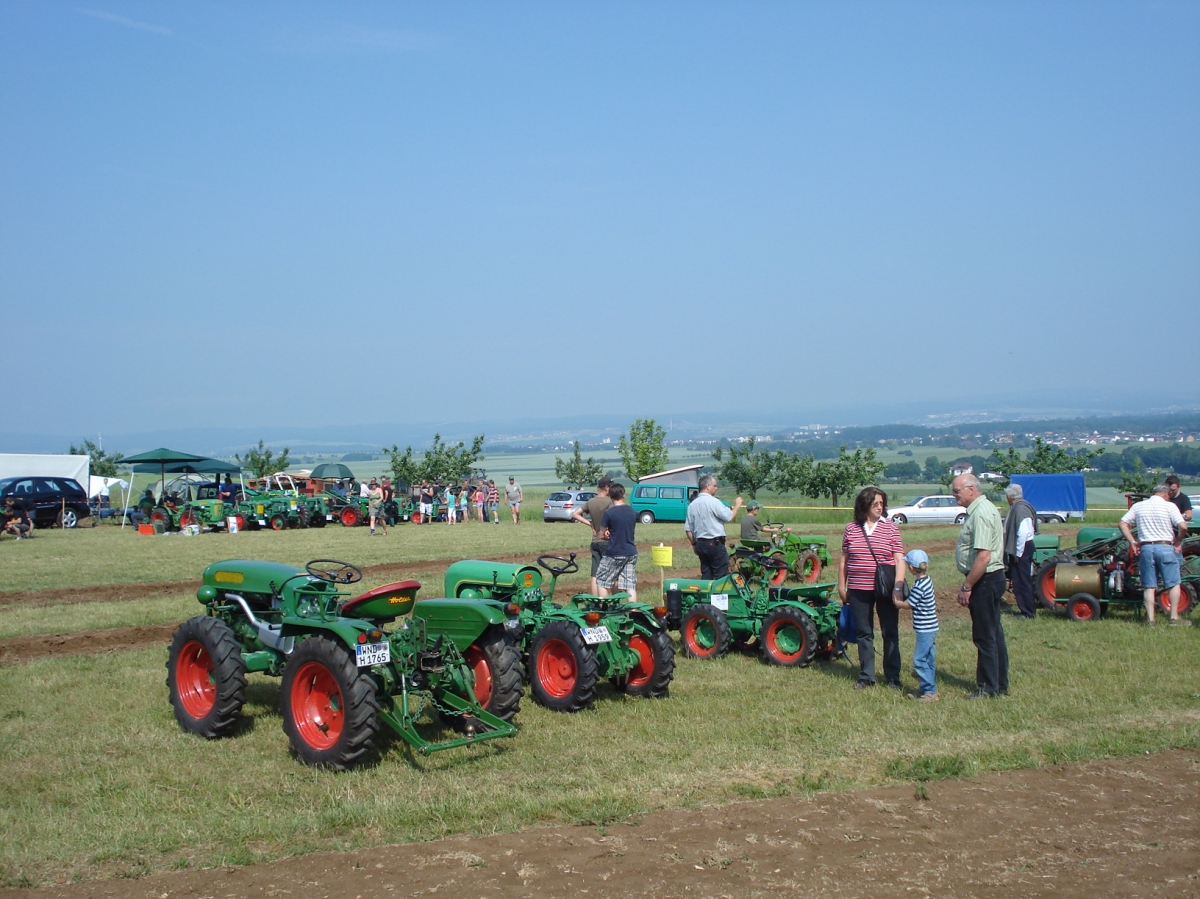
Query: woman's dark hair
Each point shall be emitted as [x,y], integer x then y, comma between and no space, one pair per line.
[862,503]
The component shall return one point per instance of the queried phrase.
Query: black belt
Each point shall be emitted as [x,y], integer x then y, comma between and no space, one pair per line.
[710,539]
[1155,543]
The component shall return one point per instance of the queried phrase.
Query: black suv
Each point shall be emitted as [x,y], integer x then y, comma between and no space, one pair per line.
[50,501]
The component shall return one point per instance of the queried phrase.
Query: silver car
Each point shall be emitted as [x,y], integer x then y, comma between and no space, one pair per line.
[561,504]
[940,509]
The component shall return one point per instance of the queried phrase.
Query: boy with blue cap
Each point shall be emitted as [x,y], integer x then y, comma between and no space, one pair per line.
[923,603]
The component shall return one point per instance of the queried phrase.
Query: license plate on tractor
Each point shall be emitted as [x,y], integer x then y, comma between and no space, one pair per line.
[368,654]
[594,635]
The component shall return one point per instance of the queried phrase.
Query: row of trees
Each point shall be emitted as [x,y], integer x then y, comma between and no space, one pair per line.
[441,463]
[748,471]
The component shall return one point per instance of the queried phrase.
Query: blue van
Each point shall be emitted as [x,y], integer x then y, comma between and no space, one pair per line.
[662,502]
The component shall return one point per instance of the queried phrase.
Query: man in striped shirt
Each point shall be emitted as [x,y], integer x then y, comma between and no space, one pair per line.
[1158,522]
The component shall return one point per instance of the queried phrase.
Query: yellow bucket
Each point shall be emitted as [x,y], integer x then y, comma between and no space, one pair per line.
[662,555]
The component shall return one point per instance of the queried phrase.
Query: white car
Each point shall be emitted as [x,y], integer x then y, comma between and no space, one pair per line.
[929,510]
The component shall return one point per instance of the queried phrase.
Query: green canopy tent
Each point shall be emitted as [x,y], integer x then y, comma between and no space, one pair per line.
[175,462]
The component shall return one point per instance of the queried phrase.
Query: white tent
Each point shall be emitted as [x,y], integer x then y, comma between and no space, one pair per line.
[23,465]
[99,486]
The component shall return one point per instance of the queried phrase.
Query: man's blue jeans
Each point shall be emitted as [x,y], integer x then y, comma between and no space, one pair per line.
[925,660]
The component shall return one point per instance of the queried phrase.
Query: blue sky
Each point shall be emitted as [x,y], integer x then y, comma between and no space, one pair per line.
[260,214]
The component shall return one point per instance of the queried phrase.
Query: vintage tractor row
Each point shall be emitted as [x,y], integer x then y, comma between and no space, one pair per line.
[1100,571]
[346,667]
[352,511]
[568,649]
[805,555]
[792,625]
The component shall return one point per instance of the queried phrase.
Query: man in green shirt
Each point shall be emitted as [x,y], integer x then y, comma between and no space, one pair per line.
[980,557]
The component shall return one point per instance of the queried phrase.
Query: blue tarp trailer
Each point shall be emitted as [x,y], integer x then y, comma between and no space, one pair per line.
[1055,497]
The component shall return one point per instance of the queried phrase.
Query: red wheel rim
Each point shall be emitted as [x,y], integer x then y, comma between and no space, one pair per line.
[1082,611]
[478,663]
[278,522]
[779,575]
[556,668]
[641,673]
[193,679]
[1185,601]
[416,518]
[783,630]
[701,644]
[241,522]
[317,706]
[186,519]
[811,571]
[349,517]
[159,515]
[1048,587]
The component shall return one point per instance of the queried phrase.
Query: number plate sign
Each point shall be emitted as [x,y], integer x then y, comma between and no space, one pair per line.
[368,654]
[329,518]
[262,522]
[594,635]
[720,601]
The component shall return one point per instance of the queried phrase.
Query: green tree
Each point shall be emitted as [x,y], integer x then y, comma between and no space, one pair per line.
[1139,481]
[261,461]
[832,478]
[746,470]
[1045,459]
[102,464]
[936,470]
[441,462]
[405,471]
[576,471]
[903,471]
[643,452]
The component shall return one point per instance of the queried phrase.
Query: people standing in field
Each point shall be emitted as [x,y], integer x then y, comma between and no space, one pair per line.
[1160,525]
[705,528]
[1176,495]
[493,501]
[480,500]
[979,556]
[869,543]
[618,568]
[923,603]
[1020,524]
[450,497]
[426,502]
[514,496]
[375,507]
[592,514]
[464,501]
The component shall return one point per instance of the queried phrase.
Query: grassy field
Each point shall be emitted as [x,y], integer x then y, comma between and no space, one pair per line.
[90,748]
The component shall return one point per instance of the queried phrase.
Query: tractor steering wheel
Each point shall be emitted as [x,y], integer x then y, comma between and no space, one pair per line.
[343,573]
[569,566]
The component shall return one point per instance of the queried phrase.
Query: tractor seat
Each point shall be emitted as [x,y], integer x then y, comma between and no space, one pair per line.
[388,601]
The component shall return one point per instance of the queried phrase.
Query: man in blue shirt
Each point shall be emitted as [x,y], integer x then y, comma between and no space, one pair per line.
[618,568]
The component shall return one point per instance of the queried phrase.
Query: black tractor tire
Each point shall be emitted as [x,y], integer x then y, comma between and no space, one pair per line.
[562,668]
[496,665]
[789,638]
[1083,607]
[1044,589]
[206,677]
[652,677]
[163,514]
[330,712]
[317,520]
[807,567]
[303,516]
[704,632]
[350,517]
[645,517]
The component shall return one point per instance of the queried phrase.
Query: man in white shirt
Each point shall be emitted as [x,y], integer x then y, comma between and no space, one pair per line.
[1158,523]
[1019,529]
[705,528]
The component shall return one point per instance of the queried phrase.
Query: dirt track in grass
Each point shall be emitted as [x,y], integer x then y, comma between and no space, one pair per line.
[1113,828]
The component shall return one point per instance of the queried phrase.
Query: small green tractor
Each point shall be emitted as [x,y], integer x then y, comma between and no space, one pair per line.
[569,648]
[806,556]
[282,505]
[352,511]
[793,625]
[1101,572]
[346,665]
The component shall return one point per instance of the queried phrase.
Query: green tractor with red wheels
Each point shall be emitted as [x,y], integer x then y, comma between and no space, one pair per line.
[349,664]
[805,556]
[790,625]
[569,649]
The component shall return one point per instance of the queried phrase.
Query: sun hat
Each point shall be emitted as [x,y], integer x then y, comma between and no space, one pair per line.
[916,558]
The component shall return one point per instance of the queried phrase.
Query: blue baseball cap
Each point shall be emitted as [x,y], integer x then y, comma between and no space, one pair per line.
[916,558]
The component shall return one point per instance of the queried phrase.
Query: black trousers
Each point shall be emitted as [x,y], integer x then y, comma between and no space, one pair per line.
[1021,575]
[863,602]
[987,632]
[714,558]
